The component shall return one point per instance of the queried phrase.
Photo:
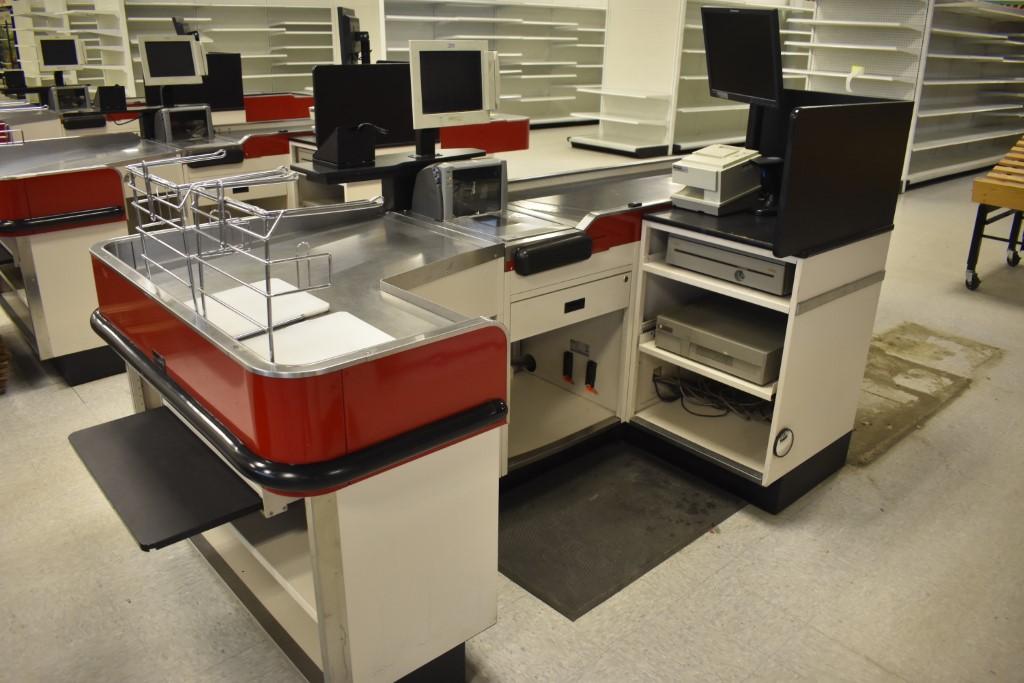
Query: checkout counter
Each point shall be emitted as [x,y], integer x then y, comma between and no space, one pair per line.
[326,396]
[60,196]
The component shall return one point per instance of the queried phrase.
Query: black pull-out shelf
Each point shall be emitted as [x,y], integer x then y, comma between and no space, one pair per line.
[164,483]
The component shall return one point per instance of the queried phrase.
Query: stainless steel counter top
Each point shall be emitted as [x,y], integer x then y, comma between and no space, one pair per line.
[16,117]
[367,249]
[580,205]
[510,227]
[61,155]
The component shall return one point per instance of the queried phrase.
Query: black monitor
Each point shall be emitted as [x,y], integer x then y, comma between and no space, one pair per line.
[221,87]
[60,53]
[347,95]
[14,81]
[744,54]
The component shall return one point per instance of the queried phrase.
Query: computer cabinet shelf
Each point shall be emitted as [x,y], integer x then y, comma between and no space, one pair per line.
[812,403]
[736,444]
[765,392]
[659,268]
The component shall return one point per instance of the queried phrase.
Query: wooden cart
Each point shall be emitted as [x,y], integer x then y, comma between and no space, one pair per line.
[999,195]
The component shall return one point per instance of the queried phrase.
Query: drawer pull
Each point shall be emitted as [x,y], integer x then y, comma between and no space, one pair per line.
[575,305]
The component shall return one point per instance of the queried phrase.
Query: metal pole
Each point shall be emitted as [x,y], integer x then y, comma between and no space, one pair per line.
[329,584]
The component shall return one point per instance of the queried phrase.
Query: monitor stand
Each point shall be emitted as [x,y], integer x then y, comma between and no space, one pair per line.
[766,133]
[426,143]
[58,79]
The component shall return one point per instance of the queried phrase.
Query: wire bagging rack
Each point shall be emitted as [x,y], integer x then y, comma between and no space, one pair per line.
[195,235]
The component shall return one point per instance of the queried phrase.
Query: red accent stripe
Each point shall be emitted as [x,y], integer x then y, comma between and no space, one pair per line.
[312,419]
[266,145]
[277,107]
[496,136]
[50,195]
[618,229]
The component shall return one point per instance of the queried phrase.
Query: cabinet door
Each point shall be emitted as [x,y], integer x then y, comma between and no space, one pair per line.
[822,368]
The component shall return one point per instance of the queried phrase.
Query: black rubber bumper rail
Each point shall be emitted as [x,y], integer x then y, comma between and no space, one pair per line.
[309,478]
[61,219]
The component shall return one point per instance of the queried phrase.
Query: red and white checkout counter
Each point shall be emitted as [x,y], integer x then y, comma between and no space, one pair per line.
[366,362]
[60,196]
[327,396]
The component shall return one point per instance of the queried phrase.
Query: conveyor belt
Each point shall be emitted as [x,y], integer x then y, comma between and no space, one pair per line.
[163,482]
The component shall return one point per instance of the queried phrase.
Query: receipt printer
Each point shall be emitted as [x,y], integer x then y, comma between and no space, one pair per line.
[716,180]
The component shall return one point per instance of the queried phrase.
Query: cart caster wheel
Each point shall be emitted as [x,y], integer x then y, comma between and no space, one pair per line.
[972,281]
[1012,258]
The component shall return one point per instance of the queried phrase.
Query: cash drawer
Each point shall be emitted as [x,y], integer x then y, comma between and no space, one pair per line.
[567,306]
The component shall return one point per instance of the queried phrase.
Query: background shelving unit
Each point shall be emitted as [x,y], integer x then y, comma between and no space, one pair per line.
[101,24]
[667,106]
[36,19]
[701,119]
[634,98]
[280,41]
[971,100]
[547,49]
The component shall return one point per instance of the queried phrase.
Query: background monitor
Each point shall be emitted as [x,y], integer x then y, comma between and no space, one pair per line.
[171,60]
[60,54]
[221,87]
[744,54]
[346,95]
[453,82]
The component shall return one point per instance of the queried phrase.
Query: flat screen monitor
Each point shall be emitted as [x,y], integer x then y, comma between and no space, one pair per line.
[453,82]
[60,54]
[346,95]
[744,54]
[171,60]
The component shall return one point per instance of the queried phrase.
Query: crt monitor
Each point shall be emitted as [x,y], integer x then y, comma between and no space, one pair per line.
[744,54]
[454,82]
[60,54]
[171,60]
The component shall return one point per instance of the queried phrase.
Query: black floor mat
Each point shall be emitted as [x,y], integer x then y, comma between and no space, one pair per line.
[580,532]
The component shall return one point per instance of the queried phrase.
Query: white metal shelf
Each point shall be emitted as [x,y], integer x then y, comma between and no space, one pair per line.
[629,94]
[432,19]
[931,113]
[850,23]
[539,77]
[548,98]
[942,170]
[970,81]
[852,47]
[540,39]
[712,109]
[840,74]
[960,33]
[246,29]
[926,144]
[731,438]
[700,144]
[618,118]
[765,392]
[967,57]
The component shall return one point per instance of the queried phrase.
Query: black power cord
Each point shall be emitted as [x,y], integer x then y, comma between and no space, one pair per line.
[716,400]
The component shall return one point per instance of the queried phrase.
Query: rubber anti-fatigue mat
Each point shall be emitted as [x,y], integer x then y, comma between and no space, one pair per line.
[582,531]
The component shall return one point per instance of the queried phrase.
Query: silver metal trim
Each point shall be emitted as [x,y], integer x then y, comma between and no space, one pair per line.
[537,454]
[831,295]
[701,451]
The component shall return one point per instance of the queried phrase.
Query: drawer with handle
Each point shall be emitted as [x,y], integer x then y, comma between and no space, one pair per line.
[567,306]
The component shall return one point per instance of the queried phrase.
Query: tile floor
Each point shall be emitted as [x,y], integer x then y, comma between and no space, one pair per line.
[907,570]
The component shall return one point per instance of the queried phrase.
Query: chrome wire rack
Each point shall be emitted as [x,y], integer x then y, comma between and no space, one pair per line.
[196,235]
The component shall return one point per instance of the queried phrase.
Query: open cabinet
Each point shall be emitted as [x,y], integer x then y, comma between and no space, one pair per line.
[827,318]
